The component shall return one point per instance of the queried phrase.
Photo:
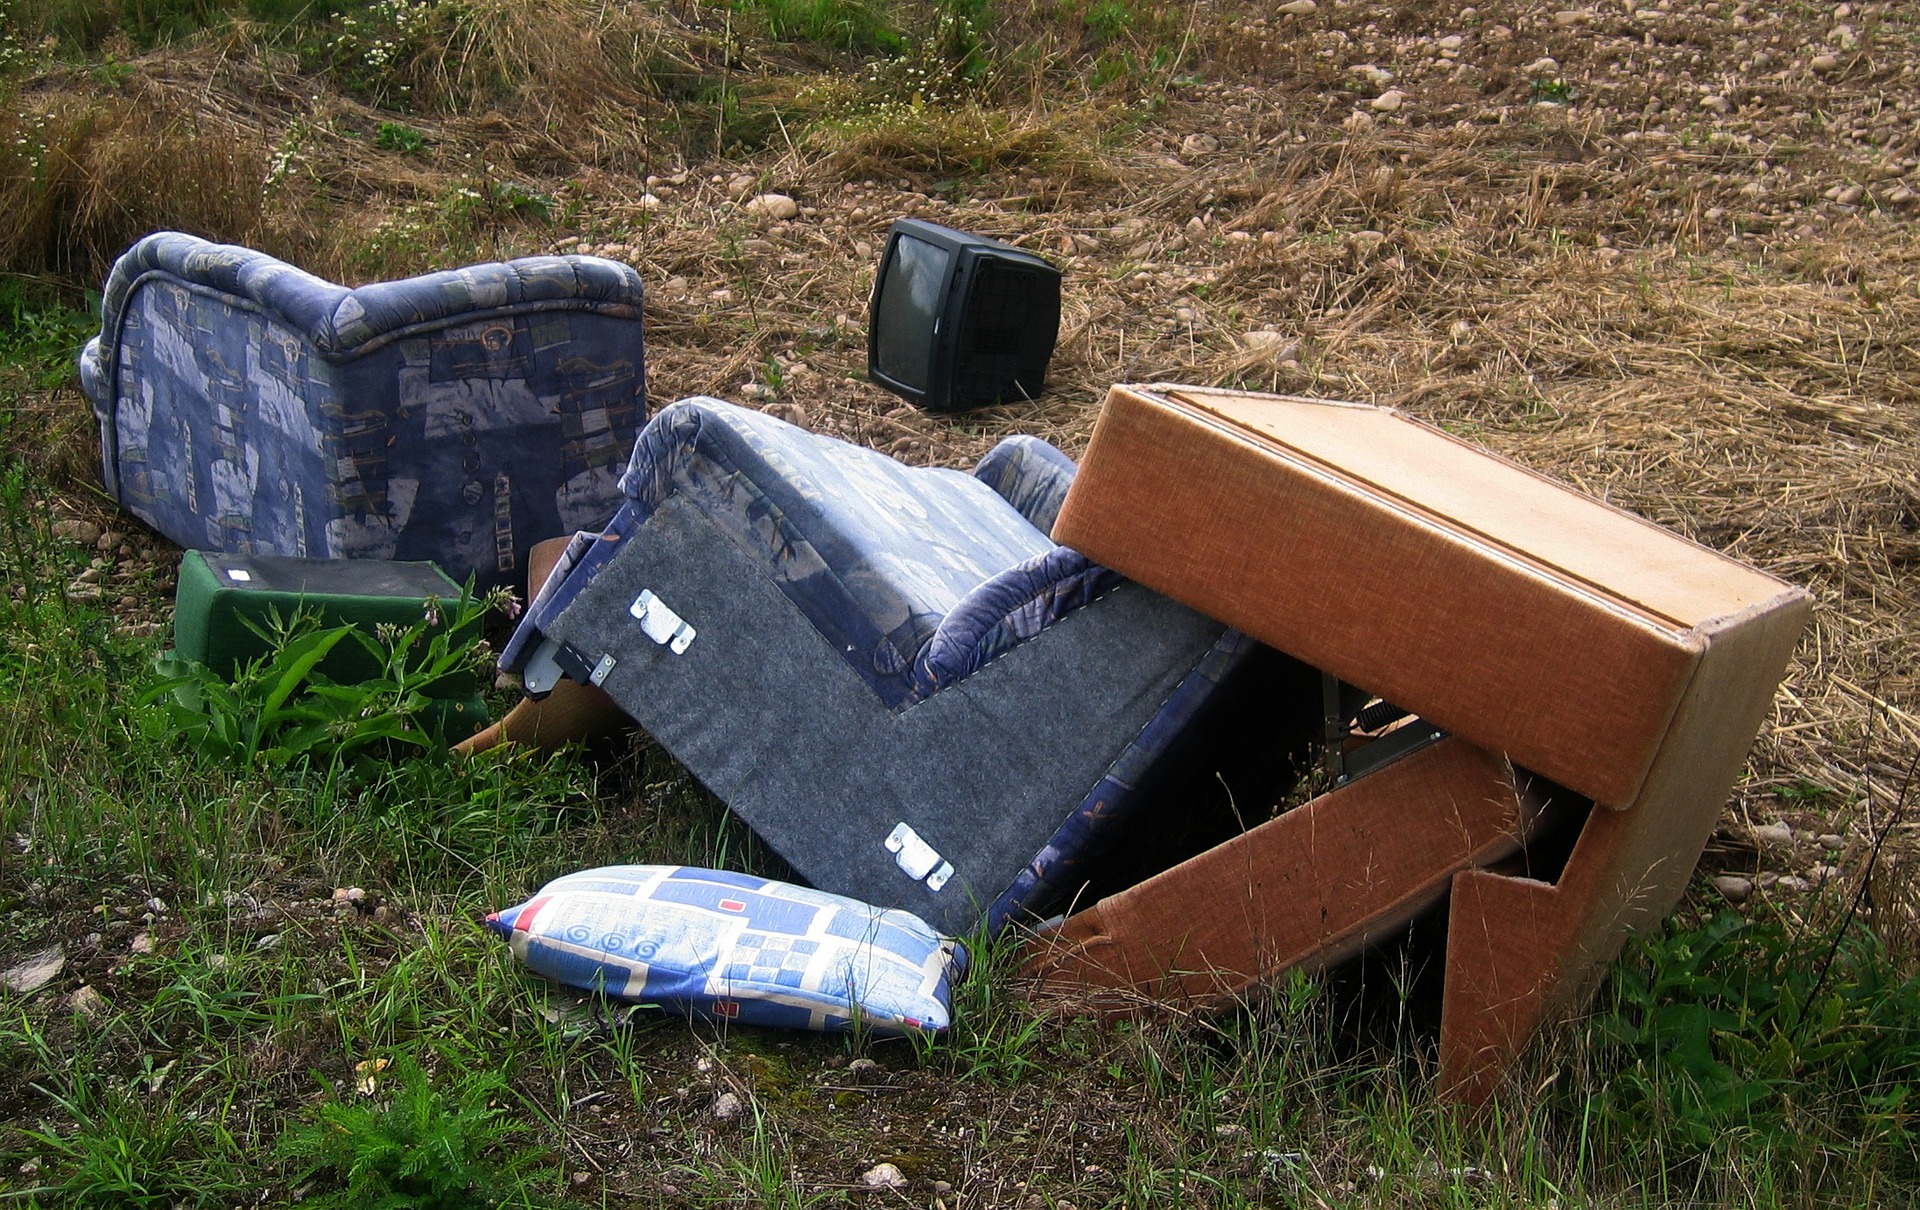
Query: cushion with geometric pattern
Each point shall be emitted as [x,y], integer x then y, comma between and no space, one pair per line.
[731,947]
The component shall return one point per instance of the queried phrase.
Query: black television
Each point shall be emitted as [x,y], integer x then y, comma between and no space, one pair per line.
[960,321]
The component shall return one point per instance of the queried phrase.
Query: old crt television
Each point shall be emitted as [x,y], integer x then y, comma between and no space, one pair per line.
[960,321]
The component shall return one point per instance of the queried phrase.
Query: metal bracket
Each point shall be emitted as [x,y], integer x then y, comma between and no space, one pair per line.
[918,859]
[660,623]
[1341,704]
[600,670]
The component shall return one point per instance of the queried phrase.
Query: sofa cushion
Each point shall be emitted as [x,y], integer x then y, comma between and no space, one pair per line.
[873,552]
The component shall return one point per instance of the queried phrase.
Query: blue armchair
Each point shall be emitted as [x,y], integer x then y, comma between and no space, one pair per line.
[246,406]
[891,673]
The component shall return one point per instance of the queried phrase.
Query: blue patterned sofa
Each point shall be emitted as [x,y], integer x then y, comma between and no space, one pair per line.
[246,406]
[891,673]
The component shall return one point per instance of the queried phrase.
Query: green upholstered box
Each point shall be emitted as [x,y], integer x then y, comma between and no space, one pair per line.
[219,594]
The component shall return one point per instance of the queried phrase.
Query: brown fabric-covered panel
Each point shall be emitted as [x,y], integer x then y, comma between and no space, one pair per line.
[1307,889]
[1493,644]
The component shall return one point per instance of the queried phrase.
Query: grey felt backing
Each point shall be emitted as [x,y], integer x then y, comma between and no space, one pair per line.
[763,711]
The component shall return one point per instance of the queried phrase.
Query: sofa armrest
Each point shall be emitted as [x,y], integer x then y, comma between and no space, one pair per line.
[1007,610]
[1029,474]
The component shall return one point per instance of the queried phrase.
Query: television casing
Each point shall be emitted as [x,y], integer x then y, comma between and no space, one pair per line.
[998,319]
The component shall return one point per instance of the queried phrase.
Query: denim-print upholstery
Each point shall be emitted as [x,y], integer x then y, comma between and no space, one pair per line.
[249,407]
[737,949]
[1031,475]
[875,553]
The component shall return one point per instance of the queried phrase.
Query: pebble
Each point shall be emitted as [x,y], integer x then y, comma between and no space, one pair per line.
[741,184]
[1735,888]
[1546,65]
[776,206]
[87,1002]
[1357,121]
[1901,195]
[1389,101]
[1267,341]
[1793,884]
[71,530]
[1379,77]
[1831,840]
[1773,836]
[34,971]
[1199,144]
[650,202]
[82,590]
[1820,875]
[860,1067]
[1300,8]
[1716,103]
[1825,63]
[726,1107]
[884,1176]
[1366,243]
[1572,16]
[142,943]
[1851,195]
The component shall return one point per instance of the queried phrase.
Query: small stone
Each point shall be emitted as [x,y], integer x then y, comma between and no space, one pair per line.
[1379,77]
[142,943]
[1546,65]
[86,533]
[1820,875]
[775,206]
[1266,341]
[1735,888]
[860,1067]
[1460,331]
[82,590]
[157,906]
[1825,63]
[1900,195]
[650,202]
[1773,836]
[1793,884]
[35,971]
[1831,841]
[884,1176]
[349,894]
[726,1107]
[741,184]
[1851,195]
[1844,37]
[1389,101]
[267,941]
[1452,42]
[942,1188]
[87,1002]
[1716,103]
[1357,121]
[1198,145]
[1366,243]
[1571,16]
[1300,8]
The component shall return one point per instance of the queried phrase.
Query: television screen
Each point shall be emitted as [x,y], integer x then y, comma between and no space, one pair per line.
[909,303]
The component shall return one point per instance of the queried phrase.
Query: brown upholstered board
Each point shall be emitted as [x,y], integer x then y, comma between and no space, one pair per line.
[1306,889]
[1576,640]
[1508,609]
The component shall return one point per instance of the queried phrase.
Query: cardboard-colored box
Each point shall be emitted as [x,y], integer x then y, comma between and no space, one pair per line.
[1583,643]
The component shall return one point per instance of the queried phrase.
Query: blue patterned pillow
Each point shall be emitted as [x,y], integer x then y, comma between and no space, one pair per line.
[731,947]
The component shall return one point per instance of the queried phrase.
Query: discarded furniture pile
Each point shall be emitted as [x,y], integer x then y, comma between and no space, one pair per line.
[959,703]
